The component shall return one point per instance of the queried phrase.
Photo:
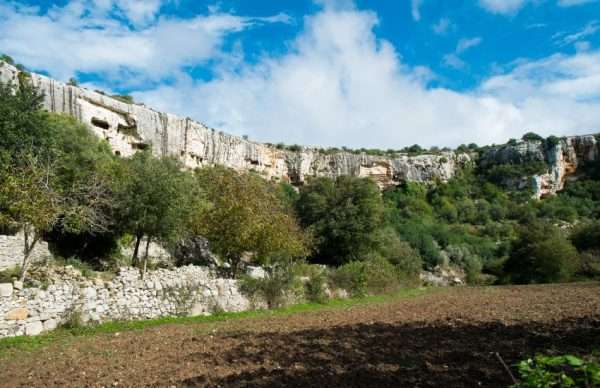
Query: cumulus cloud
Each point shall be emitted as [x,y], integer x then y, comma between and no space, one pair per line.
[341,85]
[84,36]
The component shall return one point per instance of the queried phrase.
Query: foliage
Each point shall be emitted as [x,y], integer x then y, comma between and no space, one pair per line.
[7,58]
[247,218]
[541,254]
[531,136]
[558,371]
[374,275]
[343,215]
[274,288]
[124,98]
[10,274]
[154,199]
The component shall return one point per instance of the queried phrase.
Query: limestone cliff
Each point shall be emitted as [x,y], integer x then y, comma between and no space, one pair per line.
[131,127]
[564,159]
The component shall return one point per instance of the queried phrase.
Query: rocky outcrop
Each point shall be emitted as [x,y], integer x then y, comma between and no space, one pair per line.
[131,127]
[564,158]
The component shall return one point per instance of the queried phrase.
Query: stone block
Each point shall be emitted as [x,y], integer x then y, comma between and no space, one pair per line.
[18,285]
[17,314]
[34,328]
[50,324]
[6,290]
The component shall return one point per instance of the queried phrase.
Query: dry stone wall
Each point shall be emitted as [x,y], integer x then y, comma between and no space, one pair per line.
[11,251]
[184,291]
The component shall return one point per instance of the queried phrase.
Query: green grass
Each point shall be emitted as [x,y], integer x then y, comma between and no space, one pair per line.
[24,343]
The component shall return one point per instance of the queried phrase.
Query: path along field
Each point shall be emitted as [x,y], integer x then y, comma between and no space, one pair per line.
[442,338]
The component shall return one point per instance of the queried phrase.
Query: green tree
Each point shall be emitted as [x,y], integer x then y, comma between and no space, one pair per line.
[247,218]
[344,214]
[154,198]
[541,254]
[29,199]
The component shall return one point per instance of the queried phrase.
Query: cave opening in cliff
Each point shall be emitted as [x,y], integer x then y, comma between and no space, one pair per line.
[100,123]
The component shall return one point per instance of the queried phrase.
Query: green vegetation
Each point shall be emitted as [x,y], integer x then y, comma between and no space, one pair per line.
[64,334]
[559,371]
[124,98]
[62,184]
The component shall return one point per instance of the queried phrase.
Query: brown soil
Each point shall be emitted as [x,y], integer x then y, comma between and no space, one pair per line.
[443,339]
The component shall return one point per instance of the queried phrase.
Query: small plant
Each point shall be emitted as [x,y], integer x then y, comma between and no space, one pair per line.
[273,288]
[314,288]
[558,371]
[73,321]
[10,274]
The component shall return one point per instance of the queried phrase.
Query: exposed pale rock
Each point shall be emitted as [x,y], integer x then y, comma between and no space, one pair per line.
[564,160]
[6,289]
[17,314]
[50,324]
[18,285]
[34,328]
[131,127]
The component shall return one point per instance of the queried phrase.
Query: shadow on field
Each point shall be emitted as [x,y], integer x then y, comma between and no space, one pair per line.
[442,354]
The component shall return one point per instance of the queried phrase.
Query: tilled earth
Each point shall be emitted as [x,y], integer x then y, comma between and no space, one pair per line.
[448,338]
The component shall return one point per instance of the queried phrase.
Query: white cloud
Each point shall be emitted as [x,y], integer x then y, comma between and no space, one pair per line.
[564,39]
[466,43]
[81,38]
[442,26]
[340,85]
[415,9]
[453,59]
[571,3]
[505,7]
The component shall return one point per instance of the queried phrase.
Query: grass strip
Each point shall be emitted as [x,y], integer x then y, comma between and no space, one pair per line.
[27,343]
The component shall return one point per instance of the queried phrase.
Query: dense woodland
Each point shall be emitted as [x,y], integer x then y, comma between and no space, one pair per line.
[60,183]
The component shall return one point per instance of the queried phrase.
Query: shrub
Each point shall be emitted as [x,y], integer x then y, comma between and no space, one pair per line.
[314,288]
[273,288]
[10,274]
[590,263]
[375,275]
[541,254]
[350,277]
[531,136]
[558,371]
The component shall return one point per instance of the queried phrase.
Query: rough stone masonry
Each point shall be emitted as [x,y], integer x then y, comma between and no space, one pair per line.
[184,291]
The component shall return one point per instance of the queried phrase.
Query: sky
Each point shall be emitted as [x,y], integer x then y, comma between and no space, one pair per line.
[357,73]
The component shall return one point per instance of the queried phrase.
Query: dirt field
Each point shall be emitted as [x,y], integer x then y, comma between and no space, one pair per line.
[443,339]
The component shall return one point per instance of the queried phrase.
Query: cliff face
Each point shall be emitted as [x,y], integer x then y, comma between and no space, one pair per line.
[564,159]
[131,127]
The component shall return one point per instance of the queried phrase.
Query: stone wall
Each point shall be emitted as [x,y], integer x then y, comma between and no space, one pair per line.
[188,291]
[11,251]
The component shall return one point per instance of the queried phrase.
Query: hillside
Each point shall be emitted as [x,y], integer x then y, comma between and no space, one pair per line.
[129,127]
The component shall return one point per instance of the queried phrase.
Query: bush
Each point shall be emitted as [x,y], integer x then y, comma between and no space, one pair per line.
[372,276]
[314,288]
[558,371]
[590,264]
[10,274]
[273,288]
[541,254]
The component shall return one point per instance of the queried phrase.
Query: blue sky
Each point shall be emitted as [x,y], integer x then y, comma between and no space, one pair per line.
[331,72]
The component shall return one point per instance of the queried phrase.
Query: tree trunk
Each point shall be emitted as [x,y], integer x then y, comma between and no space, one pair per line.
[146,256]
[134,259]
[27,249]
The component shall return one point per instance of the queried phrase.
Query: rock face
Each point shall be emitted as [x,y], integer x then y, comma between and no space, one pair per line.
[131,127]
[564,159]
